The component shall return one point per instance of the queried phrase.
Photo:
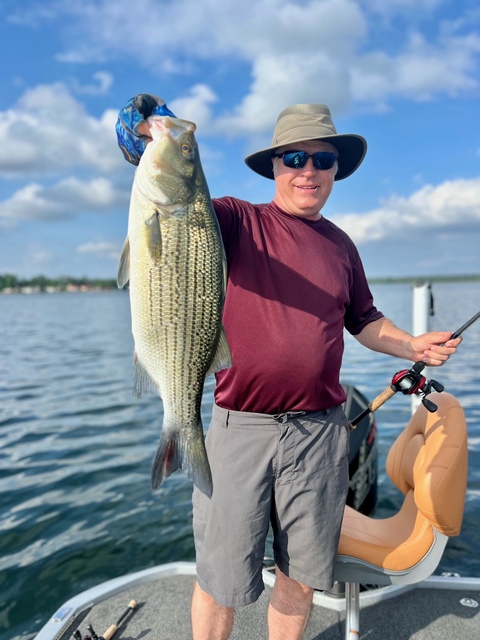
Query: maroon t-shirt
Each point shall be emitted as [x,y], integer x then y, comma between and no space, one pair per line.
[293,285]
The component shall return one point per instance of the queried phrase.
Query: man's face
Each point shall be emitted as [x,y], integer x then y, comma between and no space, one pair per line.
[303,192]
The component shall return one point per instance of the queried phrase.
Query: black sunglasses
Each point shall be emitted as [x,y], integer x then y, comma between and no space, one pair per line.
[322,160]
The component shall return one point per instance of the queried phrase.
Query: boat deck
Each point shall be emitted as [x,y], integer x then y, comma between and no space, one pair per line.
[430,611]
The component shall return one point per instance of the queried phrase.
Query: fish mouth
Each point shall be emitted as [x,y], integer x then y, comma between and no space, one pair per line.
[167,125]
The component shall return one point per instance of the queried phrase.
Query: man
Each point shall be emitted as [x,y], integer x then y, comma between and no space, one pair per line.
[278,440]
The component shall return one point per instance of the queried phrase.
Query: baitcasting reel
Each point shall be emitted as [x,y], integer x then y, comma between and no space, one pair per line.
[411,381]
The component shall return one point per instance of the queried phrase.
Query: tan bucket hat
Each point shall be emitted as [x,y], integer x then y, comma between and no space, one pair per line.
[302,122]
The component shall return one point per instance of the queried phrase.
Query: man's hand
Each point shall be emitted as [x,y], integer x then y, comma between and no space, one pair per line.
[434,348]
[384,336]
[132,129]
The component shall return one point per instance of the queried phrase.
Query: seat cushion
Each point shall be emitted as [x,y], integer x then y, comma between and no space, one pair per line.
[396,543]
[430,457]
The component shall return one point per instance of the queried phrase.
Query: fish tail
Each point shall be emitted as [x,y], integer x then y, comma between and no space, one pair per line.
[187,452]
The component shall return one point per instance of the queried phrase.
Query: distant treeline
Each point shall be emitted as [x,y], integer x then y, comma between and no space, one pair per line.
[11,282]
[420,279]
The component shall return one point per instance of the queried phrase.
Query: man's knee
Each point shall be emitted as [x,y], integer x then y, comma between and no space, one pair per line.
[210,621]
[291,589]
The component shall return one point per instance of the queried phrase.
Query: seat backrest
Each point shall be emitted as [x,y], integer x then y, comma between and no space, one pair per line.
[430,456]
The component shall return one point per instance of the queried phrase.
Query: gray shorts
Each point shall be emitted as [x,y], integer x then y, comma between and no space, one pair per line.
[290,470]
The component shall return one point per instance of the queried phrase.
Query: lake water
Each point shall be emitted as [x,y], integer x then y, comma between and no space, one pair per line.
[76,448]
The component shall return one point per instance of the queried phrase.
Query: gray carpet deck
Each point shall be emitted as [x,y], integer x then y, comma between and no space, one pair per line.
[163,613]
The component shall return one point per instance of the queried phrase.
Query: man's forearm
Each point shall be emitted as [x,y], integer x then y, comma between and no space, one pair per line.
[384,336]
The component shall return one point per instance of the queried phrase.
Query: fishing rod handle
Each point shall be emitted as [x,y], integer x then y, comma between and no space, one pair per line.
[110,632]
[113,627]
[373,406]
[382,398]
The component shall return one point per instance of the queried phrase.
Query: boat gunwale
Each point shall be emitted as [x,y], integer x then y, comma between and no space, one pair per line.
[75,606]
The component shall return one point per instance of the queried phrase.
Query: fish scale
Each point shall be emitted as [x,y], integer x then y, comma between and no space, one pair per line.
[175,262]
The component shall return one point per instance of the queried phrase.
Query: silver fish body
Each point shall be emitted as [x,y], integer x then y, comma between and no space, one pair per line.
[175,263]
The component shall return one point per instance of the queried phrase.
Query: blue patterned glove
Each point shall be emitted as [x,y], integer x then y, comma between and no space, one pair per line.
[136,111]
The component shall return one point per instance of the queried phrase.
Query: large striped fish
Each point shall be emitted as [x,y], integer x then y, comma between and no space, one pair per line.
[174,260]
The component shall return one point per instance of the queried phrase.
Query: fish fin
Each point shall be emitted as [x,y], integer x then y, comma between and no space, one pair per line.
[186,451]
[154,237]
[142,382]
[223,357]
[123,275]
[225,269]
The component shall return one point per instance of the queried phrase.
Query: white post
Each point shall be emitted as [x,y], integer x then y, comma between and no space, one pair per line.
[422,312]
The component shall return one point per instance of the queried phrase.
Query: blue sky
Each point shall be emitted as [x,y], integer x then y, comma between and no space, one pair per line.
[403,73]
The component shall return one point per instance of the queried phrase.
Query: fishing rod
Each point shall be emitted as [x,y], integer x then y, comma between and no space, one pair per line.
[111,629]
[411,381]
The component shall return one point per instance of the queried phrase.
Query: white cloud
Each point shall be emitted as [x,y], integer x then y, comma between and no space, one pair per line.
[65,199]
[455,204]
[319,50]
[103,81]
[338,51]
[196,106]
[186,28]
[48,130]
[101,248]
[420,72]
[283,80]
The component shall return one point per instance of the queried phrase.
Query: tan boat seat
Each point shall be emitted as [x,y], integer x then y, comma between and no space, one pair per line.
[428,463]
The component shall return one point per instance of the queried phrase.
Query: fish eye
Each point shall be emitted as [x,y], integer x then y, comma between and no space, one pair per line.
[186,149]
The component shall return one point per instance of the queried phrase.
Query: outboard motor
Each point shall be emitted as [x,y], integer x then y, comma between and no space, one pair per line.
[363,457]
